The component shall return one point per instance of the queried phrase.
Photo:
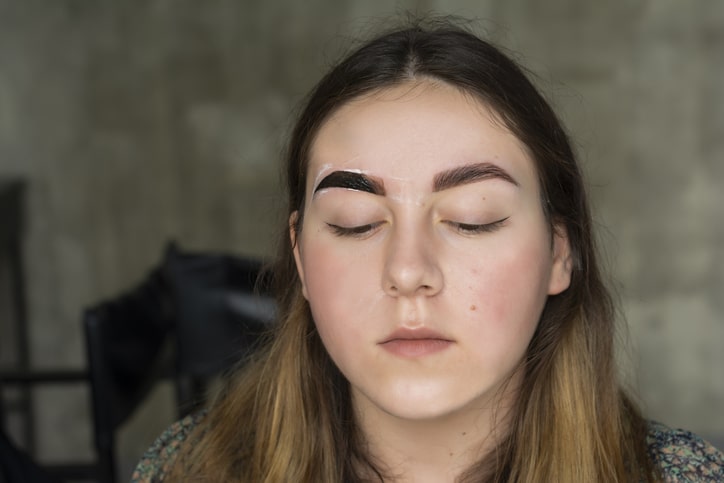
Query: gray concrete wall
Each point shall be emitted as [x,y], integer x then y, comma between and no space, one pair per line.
[136,122]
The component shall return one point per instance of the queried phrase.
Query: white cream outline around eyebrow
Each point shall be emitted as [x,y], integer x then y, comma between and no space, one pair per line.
[328,168]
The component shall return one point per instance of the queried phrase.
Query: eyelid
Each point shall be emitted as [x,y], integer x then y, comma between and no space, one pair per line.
[359,231]
[474,229]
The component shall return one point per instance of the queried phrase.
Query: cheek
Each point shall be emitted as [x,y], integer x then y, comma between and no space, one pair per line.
[506,291]
[341,291]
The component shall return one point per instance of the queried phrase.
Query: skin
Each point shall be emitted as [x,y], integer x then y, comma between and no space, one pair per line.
[468,263]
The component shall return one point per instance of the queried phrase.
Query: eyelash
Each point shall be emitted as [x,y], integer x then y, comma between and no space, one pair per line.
[464,228]
[470,229]
[353,231]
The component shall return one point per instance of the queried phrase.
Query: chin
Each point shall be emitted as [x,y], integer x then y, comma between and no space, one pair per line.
[425,408]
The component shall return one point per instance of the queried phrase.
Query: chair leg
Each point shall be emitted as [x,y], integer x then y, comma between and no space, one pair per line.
[107,465]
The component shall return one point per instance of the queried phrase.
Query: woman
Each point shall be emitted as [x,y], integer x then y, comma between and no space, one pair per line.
[442,315]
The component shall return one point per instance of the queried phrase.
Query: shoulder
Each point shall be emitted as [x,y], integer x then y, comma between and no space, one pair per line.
[683,456]
[157,461]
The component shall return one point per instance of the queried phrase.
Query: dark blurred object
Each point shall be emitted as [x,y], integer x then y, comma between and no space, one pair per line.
[14,327]
[188,321]
[18,467]
[191,319]
[25,379]
[221,307]
[16,372]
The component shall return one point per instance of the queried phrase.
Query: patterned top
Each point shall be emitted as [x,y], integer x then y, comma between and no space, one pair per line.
[681,455]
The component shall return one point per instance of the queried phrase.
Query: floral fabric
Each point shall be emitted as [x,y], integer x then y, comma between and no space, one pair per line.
[681,455]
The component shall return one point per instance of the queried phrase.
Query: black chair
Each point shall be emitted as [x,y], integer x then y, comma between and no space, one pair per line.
[12,465]
[191,319]
[125,338]
[221,307]
[19,377]
[17,467]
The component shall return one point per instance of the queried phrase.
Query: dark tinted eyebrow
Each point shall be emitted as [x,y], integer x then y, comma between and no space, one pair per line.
[470,173]
[352,181]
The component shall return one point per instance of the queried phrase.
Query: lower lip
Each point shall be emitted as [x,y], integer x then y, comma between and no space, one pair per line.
[416,347]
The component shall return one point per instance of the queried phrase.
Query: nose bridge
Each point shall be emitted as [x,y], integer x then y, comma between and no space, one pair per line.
[411,265]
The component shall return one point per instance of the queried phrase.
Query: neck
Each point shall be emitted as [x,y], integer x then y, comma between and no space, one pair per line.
[431,450]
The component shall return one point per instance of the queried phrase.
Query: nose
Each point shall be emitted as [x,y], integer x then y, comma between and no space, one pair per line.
[411,265]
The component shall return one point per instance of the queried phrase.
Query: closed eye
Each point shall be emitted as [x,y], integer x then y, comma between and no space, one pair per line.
[474,229]
[354,231]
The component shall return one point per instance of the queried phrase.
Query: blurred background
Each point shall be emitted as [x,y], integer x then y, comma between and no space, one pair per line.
[133,123]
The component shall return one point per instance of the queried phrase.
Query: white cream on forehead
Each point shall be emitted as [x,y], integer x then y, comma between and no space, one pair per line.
[403,197]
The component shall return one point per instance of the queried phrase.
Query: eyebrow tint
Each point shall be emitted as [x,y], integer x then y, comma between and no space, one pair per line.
[353,181]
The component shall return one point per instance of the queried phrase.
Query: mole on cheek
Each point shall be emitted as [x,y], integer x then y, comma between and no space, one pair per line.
[472,308]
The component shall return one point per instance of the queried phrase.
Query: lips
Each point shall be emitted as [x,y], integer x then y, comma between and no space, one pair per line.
[415,342]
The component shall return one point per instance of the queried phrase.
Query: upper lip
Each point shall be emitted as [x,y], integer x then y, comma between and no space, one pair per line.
[414,334]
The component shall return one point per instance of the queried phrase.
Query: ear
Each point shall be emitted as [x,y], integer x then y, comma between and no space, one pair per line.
[562,264]
[295,249]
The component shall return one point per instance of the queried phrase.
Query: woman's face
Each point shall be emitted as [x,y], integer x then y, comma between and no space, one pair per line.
[424,253]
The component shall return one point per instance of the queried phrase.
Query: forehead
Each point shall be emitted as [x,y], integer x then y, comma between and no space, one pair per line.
[411,132]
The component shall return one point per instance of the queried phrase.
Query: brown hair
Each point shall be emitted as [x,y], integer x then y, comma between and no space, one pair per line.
[288,416]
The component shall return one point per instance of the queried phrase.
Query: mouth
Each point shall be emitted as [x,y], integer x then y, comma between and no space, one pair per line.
[415,343]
